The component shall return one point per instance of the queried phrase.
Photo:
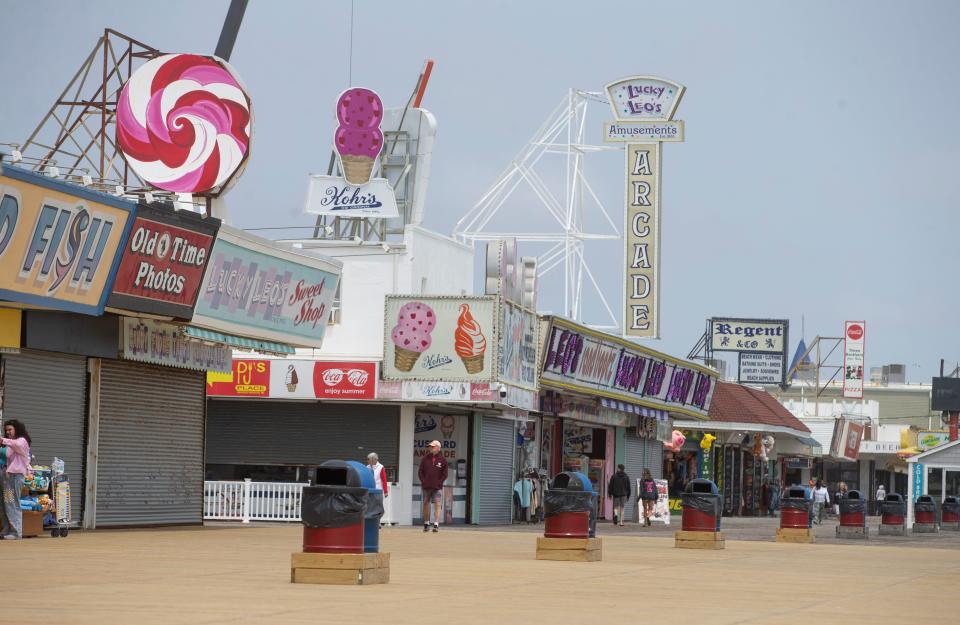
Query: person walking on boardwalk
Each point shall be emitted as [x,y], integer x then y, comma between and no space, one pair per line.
[433,473]
[648,495]
[619,489]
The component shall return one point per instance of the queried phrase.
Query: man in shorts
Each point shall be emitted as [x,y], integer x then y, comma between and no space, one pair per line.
[433,473]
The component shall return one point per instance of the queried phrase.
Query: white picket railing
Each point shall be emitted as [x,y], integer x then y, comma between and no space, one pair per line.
[252,501]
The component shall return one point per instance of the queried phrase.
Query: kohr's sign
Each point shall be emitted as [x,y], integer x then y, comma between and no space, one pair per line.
[163,262]
[577,358]
[59,243]
[255,288]
[335,197]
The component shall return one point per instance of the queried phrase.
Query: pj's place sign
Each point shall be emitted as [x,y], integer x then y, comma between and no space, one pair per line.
[163,262]
[584,360]
[59,243]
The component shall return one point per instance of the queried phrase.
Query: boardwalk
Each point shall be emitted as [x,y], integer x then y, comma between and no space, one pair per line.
[230,575]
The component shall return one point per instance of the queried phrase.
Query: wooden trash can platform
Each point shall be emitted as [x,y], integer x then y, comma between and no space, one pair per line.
[570,549]
[795,535]
[699,540]
[350,569]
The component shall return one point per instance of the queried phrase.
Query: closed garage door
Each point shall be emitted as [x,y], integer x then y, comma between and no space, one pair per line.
[150,457]
[496,471]
[633,461]
[48,392]
[653,458]
[299,433]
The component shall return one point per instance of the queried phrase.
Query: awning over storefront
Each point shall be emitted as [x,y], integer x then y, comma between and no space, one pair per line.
[239,342]
[613,404]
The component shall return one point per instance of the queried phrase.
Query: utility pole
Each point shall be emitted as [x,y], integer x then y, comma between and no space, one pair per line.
[231,26]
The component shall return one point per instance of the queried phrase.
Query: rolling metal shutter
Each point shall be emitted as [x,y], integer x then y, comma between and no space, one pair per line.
[633,462]
[653,458]
[288,433]
[150,456]
[497,443]
[48,392]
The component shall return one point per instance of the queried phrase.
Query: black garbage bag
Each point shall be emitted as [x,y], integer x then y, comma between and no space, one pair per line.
[558,501]
[792,503]
[374,505]
[333,506]
[895,508]
[924,506]
[701,502]
[951,506]
[851,506]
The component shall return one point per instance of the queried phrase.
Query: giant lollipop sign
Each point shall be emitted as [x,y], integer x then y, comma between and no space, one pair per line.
[184,123]
[358,142]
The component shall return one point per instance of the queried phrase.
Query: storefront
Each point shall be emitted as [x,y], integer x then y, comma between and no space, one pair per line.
[936,473]
[614,401]
[277,419]
[753,438]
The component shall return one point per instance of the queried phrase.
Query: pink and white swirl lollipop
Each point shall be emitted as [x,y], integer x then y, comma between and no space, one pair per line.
[358,139]
[184,123]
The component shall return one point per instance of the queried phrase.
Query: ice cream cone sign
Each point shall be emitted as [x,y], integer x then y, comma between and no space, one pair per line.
[358,139]
[469,342]
[411,336]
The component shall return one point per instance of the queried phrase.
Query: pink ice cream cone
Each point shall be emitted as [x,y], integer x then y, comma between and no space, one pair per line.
[358,139]
[411,336]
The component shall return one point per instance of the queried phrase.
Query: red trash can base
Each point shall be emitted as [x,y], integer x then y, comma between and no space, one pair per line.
[347,539]
[567,525]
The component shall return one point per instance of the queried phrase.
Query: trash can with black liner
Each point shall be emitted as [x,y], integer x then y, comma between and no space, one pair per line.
[925,510]
[569,506]
[893,510]
[702,505]
[795,509]
[950,513]
[371,518]
[853,510]
[332,511]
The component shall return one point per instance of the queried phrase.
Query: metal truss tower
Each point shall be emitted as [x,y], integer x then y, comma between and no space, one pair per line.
[76,138]
[565,210]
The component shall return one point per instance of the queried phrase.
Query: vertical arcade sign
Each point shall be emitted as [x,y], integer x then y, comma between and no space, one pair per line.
[853,338]
[643,107]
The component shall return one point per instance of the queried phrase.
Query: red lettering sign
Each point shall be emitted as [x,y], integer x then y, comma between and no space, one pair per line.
[250,378]
[162,266]
[345,380]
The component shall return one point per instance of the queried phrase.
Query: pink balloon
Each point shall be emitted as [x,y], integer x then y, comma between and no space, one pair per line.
[677,440]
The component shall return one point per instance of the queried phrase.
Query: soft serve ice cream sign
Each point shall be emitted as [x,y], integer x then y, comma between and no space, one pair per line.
[358,142]
[439,338]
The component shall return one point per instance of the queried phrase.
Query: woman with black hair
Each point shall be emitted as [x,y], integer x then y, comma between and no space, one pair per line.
[17,442]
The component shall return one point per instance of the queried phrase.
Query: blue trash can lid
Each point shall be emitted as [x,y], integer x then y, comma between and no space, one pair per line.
[366,474]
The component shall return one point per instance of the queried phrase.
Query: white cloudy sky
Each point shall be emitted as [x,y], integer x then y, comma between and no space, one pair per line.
[818,178]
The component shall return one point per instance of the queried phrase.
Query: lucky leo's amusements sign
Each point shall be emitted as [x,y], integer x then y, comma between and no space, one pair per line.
[638,104]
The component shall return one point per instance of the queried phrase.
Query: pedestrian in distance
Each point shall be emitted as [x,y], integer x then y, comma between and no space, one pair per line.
[17,443]
[774,499]
[838,496]
[821,498]
[648,495]
[379,473]
[881,495]
[433,473]
[619,489]
[764,497]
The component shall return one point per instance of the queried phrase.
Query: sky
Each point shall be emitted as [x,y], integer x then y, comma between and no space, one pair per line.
[817,181]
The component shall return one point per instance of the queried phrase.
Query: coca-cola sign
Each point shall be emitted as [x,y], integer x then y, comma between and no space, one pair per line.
[163,262]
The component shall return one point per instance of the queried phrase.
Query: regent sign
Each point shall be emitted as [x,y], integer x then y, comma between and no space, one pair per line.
[643,107]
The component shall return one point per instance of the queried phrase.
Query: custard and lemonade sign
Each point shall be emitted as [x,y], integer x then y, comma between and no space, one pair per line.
[643,107]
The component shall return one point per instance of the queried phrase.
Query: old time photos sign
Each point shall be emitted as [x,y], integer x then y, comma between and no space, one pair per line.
[643,107]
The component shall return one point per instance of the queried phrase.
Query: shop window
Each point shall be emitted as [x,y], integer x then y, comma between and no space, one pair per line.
[952,484]
[935,483]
